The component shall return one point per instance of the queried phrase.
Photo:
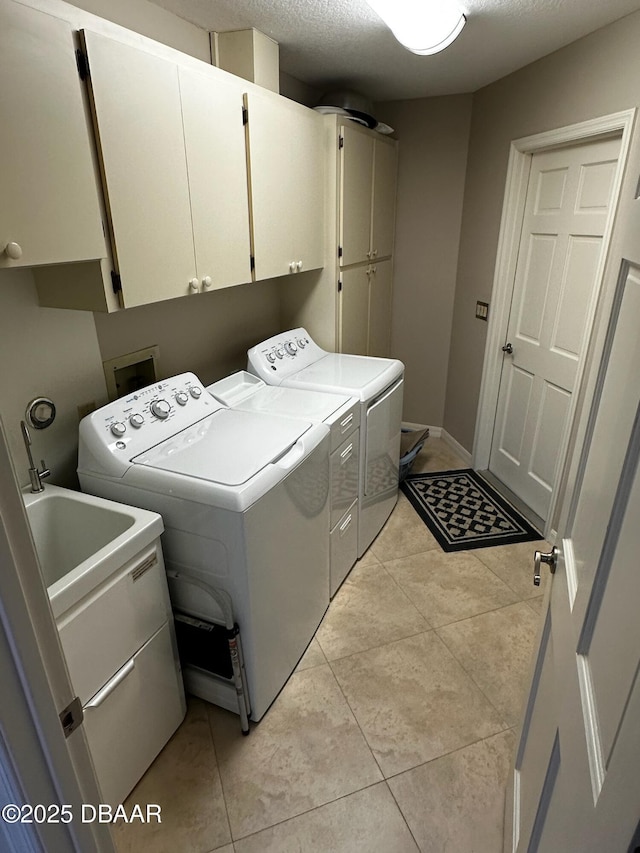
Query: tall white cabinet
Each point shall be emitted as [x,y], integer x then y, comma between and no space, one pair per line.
[367,179]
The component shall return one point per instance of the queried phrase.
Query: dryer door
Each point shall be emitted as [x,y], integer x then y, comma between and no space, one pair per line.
[381,463]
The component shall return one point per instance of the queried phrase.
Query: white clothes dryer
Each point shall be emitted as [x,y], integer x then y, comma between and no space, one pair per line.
[292,359]
[245,502]
[341,414]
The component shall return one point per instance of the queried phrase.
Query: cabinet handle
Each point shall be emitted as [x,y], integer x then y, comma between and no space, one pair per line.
[374,254]
[292,266]
[299,266]
[346,423]
[206,282]
[111,685]
[193,285]
[345,523]
[369,254]
[346,453]
[13,251]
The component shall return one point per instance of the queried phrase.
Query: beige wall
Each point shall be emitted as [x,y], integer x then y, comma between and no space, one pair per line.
[433,135]
[595,76]
[207,333]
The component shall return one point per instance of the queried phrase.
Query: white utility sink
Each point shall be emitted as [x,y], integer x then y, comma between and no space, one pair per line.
[81,540]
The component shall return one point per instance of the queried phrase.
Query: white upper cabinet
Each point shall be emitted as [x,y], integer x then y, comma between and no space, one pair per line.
[50,211]
[217,167]
[138,117]
[286,165]
[368,176]
[171,143]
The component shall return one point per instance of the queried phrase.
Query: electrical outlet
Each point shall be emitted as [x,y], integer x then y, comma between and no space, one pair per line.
[482,310]
[86,408]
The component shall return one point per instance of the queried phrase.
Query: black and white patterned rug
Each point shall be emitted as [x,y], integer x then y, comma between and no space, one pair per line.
[463,511]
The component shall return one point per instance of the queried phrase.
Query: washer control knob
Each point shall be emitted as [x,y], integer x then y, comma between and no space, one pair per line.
[271,356]
[181,398]
[161,409]
[118,428]
[195,392]
[291,348]
[302,343]
[136,420]
[279,352]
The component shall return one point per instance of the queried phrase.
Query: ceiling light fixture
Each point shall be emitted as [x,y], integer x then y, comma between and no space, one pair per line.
[422,26]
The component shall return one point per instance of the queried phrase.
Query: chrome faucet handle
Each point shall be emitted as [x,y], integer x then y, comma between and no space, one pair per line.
[35,476]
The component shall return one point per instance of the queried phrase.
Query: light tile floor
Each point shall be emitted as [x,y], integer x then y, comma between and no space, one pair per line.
[396,731]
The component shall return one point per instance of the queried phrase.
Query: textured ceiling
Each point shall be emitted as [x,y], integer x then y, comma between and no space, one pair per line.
[333,44]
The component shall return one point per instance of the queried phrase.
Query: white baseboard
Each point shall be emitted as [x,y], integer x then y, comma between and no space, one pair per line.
[458,449]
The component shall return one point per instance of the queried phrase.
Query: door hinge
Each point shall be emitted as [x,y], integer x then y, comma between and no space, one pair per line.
[339,251]
[71,717]
[340,142]
[245,115]
[339,285]
[252,263]
[116,282]
[82,61]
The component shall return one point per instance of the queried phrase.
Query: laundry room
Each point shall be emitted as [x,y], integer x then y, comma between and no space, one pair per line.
[85,330]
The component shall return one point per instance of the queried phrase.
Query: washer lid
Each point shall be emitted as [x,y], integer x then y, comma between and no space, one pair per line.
[228,447]
[244,391]
[356,375]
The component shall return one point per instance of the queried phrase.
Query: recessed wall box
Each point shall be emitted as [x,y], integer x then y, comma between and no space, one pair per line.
[126,373]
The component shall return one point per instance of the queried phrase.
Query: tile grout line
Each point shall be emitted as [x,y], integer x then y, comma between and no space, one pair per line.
[406,822]
[224,796]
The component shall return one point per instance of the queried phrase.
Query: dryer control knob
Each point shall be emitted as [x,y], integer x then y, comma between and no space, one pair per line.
[195,392]
[161,409]
[181,398]
[118,428]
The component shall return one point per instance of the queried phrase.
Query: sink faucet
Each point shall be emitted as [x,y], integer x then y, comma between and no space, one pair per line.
[35,475]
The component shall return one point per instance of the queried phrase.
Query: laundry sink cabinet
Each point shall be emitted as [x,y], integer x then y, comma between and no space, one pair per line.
[104,570]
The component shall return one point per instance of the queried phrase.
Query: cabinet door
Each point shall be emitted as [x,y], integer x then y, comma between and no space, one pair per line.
[286,168]
[356,170]
[49,191]
[217,166]
[308,181]
[138,116]
[354,311]
[385,168]
[380,282]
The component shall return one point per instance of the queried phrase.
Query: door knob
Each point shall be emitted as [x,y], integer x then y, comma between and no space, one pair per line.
[507,348]
[550,559]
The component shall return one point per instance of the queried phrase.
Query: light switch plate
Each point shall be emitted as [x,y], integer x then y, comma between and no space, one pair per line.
[482,310]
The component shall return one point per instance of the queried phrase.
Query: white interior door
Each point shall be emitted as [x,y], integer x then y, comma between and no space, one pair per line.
[575,783]
[567,207]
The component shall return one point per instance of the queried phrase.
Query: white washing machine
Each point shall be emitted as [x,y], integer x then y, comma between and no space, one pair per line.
[294,360]
[245,503]
[245,391]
